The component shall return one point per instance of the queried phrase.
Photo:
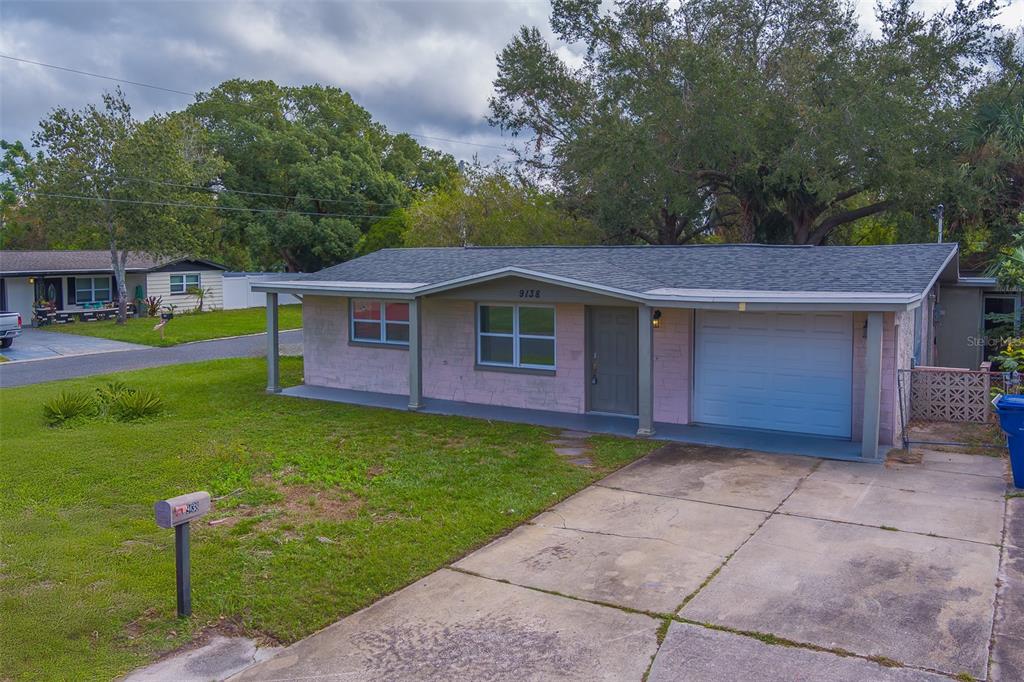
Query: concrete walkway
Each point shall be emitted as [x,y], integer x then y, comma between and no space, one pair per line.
[139,357]
[701,563]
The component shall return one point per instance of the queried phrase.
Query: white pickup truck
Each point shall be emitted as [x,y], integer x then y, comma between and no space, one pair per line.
[10,326]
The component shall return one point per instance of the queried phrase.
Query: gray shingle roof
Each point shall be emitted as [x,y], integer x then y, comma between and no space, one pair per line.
[894,269]
[42,262]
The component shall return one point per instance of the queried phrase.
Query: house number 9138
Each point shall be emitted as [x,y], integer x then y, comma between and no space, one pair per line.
[529,293]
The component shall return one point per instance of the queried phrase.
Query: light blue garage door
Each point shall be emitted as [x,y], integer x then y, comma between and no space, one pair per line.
[779,371]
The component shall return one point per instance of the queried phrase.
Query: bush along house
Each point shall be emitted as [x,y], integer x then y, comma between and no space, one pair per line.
[779,348]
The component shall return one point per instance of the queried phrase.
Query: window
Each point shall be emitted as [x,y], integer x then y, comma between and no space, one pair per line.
[516,336]
[180,284]
[379,322]
[92,289]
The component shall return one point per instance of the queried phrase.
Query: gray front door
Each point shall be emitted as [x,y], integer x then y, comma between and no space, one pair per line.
[612,354]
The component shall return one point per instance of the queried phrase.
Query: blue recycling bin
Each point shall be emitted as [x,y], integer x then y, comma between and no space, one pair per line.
[1010,409]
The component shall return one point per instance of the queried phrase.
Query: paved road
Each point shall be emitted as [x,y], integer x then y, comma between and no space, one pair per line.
[38,371]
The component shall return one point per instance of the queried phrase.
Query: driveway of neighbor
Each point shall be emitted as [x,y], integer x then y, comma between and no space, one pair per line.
[37,344]
[131,356]
[716,564]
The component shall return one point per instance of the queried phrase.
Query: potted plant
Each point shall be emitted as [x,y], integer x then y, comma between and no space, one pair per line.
[153,305]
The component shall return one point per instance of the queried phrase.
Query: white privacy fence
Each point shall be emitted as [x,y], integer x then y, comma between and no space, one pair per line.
[238,291]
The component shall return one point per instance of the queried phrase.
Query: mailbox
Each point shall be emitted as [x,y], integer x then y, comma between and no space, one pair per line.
[176,513]
[181,509]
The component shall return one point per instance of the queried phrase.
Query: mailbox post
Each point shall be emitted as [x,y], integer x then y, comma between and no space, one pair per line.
[176,513]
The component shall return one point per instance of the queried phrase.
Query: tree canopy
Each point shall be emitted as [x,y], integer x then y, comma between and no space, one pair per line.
[741,119]
[102,179]
[314,164]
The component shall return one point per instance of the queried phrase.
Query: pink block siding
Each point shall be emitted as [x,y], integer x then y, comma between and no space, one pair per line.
[673,344]
[331,361]
[888,412]
[449,356]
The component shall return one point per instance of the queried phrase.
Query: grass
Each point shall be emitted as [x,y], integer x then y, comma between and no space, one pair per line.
[186,327]
[322,509]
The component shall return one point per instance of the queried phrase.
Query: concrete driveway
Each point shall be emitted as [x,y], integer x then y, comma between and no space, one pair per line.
[38,344]
[700,563]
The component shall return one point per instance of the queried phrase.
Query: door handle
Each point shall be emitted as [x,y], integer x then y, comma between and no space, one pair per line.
[593,370]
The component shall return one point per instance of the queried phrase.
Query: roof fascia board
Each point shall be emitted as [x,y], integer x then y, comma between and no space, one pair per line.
[491,275]
[953,256]
[331,290]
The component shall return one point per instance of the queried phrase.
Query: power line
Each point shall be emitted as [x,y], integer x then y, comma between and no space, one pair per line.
[97,75]
[225,190]
[196,94]
[181,204]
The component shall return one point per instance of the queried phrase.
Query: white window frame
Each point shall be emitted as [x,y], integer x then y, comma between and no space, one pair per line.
[516,336]
[384,322]
[92,289]
[185,286]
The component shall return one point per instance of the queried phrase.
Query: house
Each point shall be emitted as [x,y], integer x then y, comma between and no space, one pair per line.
[713,343]
[75,280]
[964,334]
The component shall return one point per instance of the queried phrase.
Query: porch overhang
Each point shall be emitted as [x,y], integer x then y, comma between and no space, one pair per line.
[666,297]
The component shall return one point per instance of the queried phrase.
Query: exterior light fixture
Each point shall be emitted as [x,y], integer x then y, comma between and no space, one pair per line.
[656,319]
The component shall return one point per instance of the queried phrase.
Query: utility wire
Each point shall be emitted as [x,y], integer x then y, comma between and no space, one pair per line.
[181,204]
[96,75]
[196,94]
[225,190]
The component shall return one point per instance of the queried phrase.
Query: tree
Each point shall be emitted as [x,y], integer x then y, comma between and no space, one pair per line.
[101,178]
[484,208]
[314,168]
[770,121]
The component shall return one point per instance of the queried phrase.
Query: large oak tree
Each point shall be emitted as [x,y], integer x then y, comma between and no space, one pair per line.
[767,120]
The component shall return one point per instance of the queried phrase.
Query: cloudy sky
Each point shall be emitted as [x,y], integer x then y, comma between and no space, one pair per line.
[422,67]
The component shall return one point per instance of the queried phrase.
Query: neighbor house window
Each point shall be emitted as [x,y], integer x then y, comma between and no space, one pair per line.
[92,289]
[380,322]
[516,336]
[180,284]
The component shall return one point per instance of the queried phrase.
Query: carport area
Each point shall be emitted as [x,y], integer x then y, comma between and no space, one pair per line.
[704,563]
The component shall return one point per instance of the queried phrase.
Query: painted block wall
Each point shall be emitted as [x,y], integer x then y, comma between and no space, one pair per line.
[673,344]
[888,412]
[449,356]
[904,333]
[331,361]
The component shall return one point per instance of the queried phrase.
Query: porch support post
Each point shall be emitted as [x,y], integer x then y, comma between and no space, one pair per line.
[872,387]
[273,372]
[645,375]
[415,355]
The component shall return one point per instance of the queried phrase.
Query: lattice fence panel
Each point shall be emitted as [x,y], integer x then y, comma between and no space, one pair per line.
[949,395]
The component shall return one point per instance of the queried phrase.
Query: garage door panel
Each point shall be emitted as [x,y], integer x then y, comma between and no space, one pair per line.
[781,371]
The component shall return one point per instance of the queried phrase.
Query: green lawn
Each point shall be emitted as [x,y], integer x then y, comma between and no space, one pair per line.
[328,507]
[186,327]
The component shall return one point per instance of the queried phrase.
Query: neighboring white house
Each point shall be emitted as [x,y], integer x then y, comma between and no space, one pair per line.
[74,281]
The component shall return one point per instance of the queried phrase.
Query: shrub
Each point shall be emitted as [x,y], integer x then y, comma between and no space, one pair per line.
[130,405]
[107,394]
[153,304]
[67,406]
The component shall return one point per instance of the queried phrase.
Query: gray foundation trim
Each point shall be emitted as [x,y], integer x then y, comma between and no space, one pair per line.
[273,370]
[620,425]
[872,387]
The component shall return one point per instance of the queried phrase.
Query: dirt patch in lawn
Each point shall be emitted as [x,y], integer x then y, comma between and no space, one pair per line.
[295,505]
[977,439]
